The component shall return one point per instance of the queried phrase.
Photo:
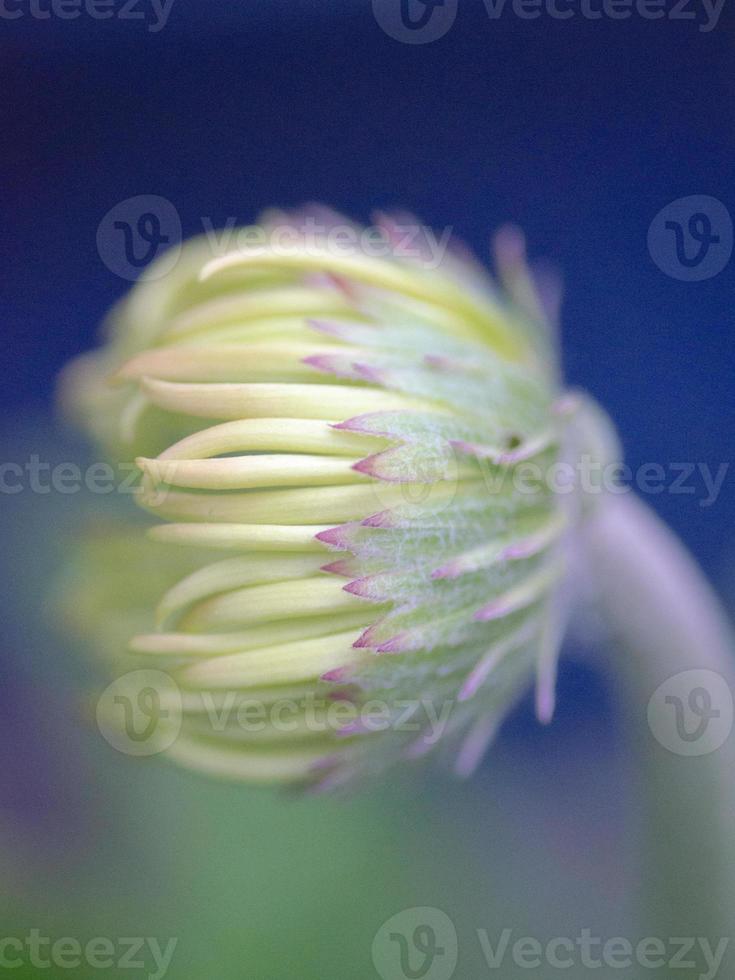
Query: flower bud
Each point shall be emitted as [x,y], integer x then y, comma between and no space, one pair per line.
[361,448]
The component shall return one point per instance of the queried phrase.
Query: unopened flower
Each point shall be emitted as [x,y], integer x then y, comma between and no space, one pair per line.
[358,447]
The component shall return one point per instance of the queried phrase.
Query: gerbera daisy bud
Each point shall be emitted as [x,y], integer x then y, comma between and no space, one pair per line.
[375,461]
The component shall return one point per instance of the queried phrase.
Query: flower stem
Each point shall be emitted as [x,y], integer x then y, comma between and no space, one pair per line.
[668,620]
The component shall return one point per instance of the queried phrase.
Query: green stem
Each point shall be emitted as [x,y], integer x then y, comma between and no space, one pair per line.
[668,620]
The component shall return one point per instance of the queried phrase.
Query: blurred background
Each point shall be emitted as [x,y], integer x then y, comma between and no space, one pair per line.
[582,131]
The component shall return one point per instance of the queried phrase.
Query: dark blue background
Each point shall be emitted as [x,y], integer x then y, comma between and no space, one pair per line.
[578,130]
